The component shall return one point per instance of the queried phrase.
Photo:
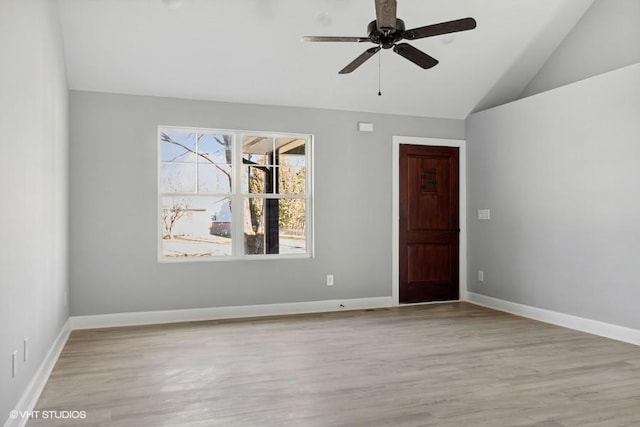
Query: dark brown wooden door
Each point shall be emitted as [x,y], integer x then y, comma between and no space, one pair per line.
[429,223]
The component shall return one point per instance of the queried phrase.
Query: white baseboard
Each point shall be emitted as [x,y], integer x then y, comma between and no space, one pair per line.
[32,393]
[214,313]
[608,330]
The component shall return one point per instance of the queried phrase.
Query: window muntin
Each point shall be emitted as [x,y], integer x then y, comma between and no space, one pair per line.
[213,206]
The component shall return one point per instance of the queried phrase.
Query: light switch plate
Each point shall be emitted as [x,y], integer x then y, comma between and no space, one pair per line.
[484,214]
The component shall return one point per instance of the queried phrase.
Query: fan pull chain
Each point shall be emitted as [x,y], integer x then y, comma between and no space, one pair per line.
[379,73]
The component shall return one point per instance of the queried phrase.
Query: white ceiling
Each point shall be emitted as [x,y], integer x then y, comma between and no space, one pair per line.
[250,51]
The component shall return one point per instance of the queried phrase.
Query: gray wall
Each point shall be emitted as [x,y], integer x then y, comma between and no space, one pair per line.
[605,39]
[33,184]
[113,204]
[559,171]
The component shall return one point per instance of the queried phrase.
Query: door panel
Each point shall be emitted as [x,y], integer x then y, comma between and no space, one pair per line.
[428,263]
[429,232]
[427,193]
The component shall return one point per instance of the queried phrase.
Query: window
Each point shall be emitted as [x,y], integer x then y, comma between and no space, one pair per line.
[233,194]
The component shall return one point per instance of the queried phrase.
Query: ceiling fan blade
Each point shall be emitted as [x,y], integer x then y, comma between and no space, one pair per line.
[441,28]
[360,60]
[386,14]
[334,39]
[414,55]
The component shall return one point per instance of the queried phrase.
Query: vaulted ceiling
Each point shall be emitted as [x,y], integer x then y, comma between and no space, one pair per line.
[250,51]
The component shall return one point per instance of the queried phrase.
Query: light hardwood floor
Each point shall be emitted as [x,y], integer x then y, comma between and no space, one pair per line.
[432,365]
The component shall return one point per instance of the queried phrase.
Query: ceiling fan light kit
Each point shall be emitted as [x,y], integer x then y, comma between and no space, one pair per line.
[388,30]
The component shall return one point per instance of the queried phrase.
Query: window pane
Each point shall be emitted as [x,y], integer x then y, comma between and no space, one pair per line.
[176,146]
[215,148]
[292,162]
[292,175]
[290,145]
[257,179]
[178,178]
[276,226]
[257,149]
[196,226]
[254,159]
[214,178]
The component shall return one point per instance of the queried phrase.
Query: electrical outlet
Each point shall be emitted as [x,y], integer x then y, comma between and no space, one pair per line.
[329,279]
[480,276]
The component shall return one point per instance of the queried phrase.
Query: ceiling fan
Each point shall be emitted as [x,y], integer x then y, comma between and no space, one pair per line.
[388,30]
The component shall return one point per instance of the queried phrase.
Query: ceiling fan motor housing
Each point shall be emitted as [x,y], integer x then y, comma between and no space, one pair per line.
[385,39]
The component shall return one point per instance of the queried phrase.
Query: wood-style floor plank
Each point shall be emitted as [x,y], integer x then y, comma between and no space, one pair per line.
[432,365]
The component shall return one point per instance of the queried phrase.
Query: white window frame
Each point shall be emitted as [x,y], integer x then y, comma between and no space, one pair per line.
[237,196]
